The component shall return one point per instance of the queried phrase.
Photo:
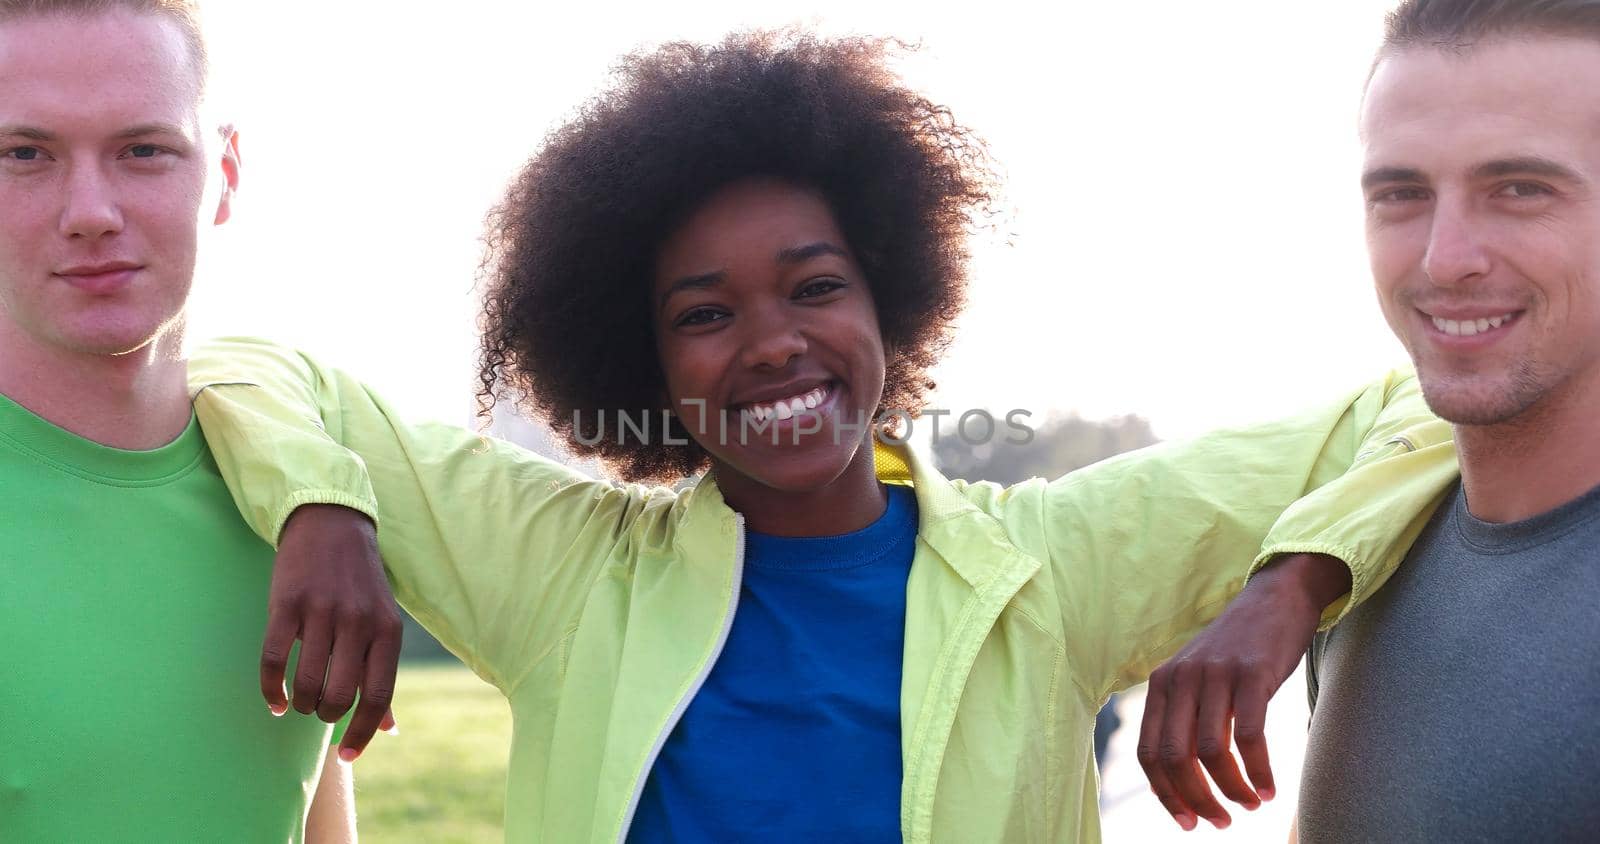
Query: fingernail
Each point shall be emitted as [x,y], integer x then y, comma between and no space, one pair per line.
[1222,823]
[1187,822]
[277,709]
[1267,793]
[394,730]
[348,754]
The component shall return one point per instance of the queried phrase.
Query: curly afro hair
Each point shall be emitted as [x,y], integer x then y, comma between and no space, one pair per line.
[567,327]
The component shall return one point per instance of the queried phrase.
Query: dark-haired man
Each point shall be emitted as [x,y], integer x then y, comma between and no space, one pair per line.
[1463,702]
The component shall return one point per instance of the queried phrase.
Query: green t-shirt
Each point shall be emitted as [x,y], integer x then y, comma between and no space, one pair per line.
[132,606]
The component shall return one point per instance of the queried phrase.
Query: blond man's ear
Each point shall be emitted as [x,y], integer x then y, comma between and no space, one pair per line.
[230,173]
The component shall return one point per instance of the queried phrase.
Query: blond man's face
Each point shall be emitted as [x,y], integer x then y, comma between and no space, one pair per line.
[106,179]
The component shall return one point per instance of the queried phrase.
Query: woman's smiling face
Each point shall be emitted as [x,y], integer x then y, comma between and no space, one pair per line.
[768,337]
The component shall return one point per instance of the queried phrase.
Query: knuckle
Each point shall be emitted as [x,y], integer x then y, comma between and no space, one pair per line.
[1172,755]
[285,600]
[1248,733]
[319,605]
[360,623]
[378,695]
[1250,666]
[1186,670]
[1210,750]
[274,659]
[1148,756]
[338,702]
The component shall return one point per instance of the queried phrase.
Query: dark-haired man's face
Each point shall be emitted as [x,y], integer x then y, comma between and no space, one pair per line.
[765,325]
[106,178]
[1482,181]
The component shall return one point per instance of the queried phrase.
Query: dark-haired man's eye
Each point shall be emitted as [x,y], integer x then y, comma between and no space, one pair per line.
[1523,190]
[144,151]
[23,153]
[1399,195]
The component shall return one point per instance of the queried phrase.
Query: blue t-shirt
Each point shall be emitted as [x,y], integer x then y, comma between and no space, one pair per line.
[796,734]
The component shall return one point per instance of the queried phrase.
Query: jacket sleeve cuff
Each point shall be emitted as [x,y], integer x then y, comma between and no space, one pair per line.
[366,506]
[1360,576]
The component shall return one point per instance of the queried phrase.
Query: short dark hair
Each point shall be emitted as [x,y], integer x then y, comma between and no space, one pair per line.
[567,325]
[1461,23]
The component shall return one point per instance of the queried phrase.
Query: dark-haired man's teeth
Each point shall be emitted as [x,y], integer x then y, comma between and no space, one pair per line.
[1469,327]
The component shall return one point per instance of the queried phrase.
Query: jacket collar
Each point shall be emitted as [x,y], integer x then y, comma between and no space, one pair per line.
[955,527]
[963,535]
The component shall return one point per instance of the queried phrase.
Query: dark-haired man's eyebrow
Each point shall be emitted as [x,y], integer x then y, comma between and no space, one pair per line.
[1529,165]
[798,254]
[28,133]
[692,282]
[1391,175]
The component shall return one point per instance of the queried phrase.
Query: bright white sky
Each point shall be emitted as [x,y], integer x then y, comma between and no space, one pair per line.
[1185,238]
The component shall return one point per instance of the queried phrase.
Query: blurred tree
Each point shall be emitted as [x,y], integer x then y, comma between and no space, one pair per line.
[1060,445]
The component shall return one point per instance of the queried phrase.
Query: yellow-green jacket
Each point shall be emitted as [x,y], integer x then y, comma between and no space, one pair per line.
[598,609]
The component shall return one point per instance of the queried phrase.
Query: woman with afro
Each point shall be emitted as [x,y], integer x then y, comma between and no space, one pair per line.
[736,266]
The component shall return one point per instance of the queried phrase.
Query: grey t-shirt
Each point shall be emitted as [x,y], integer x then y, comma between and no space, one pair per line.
[1462,702]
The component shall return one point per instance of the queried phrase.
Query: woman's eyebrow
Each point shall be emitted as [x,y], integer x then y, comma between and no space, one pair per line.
[797,254]
[693,282]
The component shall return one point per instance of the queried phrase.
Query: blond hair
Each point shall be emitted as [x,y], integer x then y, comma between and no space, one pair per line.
[186,13]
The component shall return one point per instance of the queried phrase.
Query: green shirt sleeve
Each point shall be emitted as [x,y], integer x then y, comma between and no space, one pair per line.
[489,546]
[1149,547]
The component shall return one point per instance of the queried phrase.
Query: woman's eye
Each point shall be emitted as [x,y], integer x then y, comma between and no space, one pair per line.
[820,287]
[700,316]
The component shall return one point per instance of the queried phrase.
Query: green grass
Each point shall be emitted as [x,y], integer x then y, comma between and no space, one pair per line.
[443,779]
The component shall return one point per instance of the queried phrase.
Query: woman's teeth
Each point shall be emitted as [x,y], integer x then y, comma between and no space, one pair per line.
[788,408]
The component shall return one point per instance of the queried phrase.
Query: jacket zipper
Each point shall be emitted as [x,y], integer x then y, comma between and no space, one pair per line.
[694,687]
